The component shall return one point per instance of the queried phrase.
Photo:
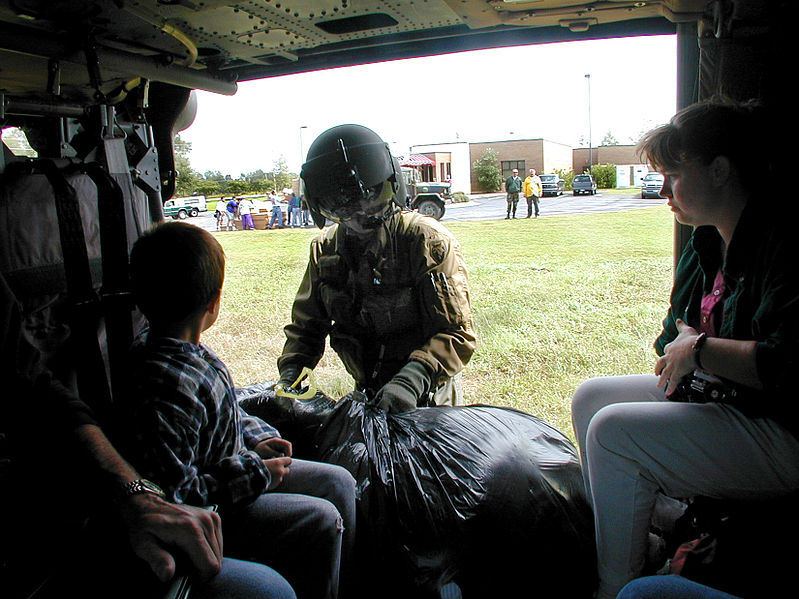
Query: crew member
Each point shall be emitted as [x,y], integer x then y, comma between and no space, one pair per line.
[390,288]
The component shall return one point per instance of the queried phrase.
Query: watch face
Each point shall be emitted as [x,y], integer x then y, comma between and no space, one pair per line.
[142,486]
[152,487]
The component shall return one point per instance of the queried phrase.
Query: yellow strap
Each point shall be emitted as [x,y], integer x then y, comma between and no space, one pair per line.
[291,391]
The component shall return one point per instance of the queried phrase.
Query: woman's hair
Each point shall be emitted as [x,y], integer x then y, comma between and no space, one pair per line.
[176,270]
[703,131]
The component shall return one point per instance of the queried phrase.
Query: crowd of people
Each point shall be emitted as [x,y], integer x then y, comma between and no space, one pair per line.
[389,291]
[242,209]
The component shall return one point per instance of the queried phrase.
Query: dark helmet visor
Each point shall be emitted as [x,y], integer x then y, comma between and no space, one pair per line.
[340,183]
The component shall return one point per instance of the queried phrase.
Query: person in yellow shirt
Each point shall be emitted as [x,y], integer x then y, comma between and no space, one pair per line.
[532,191]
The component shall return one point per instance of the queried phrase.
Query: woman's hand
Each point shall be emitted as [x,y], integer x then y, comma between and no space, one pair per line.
[678,359]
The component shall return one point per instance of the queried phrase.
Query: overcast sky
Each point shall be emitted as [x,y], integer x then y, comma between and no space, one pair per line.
[487,95]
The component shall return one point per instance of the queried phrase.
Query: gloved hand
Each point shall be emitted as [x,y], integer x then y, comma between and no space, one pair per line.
[403,391]
[289,374]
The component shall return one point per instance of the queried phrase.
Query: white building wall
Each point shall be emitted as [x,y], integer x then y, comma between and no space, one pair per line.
[557,156]
[461,168]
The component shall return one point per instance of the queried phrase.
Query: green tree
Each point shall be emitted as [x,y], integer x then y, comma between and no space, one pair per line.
[281,177]
[187,179]
[213,176]
[208,187]
[235,188]
[610,140]
[488,172]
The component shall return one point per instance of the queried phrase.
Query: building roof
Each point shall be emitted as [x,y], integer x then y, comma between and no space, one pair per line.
[416,160]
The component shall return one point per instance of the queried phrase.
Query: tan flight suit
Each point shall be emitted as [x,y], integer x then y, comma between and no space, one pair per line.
[404,296]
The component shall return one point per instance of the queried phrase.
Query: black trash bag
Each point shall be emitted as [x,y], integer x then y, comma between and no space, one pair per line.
[490,498]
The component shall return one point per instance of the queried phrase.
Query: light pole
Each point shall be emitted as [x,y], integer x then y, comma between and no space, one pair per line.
[590,145]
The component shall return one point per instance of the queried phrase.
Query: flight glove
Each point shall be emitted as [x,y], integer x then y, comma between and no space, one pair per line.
[403,391]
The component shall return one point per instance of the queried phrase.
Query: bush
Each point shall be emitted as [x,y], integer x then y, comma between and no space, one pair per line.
[604,175]
[459,196]
[488,172]
[567,175]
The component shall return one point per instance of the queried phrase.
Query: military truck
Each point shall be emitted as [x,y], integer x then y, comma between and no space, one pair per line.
[426,197]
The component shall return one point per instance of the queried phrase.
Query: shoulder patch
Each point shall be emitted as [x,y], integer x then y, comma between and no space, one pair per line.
[438,250]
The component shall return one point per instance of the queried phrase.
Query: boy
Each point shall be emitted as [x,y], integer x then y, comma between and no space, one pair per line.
[186,431]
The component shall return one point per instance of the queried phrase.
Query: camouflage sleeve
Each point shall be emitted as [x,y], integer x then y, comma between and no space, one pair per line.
[310,323]
[444,294]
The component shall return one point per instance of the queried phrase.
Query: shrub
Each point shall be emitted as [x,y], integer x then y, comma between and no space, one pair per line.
[488,172]
[604,175]
[460,196]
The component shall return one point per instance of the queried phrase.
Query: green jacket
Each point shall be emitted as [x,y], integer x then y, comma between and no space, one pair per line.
[513,184]
[761,303]
[405,296]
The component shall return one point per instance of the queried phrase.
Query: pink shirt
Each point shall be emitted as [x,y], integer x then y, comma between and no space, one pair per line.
[708,313]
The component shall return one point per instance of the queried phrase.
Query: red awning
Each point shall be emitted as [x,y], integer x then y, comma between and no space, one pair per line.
[417,160]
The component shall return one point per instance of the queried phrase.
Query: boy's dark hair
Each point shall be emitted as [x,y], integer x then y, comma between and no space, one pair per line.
[176,269]
[703,131]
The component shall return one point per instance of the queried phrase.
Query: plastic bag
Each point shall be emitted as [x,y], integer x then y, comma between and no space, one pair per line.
[490,498]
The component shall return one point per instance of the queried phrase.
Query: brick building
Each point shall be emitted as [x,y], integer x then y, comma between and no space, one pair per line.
[541,154]
[453,161]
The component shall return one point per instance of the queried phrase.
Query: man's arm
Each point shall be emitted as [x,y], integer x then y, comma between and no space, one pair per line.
[444,295]
[155,528]
[309,327]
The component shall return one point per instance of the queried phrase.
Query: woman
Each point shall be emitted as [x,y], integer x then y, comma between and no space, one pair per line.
[734,315]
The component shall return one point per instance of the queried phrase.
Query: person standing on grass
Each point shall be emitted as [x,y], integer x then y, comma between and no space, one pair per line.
[733,316]
[532,191]
[513,186]
[246,208]
[277,213]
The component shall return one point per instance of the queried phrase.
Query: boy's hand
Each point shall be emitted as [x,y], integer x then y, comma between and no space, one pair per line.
[278,468]
[274,448]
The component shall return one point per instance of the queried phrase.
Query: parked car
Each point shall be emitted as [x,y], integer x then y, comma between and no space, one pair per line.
[651,185]
[583,184]
[552,185]
[174,209]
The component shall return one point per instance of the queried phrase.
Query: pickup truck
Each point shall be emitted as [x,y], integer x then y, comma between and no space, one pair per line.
[651,185]
[583,184]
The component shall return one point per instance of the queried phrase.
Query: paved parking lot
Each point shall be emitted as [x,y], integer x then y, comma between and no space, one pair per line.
[492,207]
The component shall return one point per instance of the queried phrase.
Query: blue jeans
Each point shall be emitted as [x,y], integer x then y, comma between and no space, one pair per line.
[304,529]
[277,217]
[244,580]
[669,587]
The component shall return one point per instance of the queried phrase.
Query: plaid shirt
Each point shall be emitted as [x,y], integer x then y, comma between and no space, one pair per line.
[185,429]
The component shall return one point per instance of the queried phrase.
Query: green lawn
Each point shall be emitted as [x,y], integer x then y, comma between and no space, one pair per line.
[556,300]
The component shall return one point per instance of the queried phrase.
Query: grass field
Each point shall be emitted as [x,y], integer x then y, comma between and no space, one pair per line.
[556,300]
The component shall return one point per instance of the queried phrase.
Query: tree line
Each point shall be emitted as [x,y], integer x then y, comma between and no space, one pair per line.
[214,184]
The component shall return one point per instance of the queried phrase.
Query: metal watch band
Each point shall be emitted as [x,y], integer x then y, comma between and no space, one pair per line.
[141,485]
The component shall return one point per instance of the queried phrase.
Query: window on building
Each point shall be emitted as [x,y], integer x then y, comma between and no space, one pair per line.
[509,165]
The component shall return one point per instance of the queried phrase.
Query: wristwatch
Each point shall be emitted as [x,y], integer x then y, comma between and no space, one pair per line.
[141,485]
[696,348]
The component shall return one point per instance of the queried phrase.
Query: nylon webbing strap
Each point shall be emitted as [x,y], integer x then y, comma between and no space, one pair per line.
[89,361]
[115,292]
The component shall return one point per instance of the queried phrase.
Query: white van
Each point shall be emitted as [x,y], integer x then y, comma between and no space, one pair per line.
[190,202]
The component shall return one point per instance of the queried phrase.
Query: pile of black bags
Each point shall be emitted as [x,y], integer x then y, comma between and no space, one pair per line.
[490,498]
